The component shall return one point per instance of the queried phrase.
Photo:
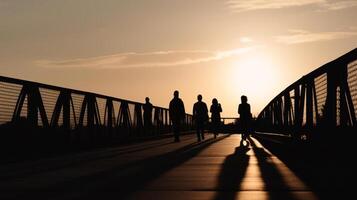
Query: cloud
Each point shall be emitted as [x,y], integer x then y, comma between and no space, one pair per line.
[148,59]
[303,36]
[338,5]
[245,40]
[247,5]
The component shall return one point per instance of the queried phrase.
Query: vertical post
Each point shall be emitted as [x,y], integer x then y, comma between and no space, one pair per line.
[138,118]
[309,104]
[32,110]
[166,119]
[156,119]
[270,115]
[109,114]
[296,104]
[280,111]
[66,109]
[331,98]
[286,109]
[302,104]
[91,111]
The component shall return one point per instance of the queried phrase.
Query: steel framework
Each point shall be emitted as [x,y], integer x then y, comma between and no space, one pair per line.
[30,108]
[324,99]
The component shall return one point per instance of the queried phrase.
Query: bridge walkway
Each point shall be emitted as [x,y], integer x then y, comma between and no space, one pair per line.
[162,169]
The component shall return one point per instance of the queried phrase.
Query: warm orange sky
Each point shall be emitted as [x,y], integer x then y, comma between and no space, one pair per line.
[137,48]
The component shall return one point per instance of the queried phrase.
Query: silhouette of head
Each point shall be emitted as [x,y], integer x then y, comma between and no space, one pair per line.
[199,97]
[176,94]
[214,101]
[147,99]
[244,99]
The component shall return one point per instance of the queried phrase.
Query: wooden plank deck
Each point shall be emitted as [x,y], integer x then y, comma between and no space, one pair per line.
[212,169]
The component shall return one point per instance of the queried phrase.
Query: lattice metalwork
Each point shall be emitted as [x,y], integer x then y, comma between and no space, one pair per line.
[324,98]
[28,106]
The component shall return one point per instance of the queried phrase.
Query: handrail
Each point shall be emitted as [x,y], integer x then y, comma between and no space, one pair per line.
[58,88]
[299,109]
[27,106]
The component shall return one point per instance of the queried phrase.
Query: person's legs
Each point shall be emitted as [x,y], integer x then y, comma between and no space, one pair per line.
[202,131]
[199,130]
[176,129]
[147,125]
[245,133]
[198,134]
[244,130]
[215,129]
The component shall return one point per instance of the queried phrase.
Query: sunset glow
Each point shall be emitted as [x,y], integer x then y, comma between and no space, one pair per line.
[256,75]
[133,49]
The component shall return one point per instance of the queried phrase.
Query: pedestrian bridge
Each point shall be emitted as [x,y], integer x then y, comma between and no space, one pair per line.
[60,143]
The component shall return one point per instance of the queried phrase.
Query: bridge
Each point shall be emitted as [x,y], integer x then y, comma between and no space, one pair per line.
[60,143]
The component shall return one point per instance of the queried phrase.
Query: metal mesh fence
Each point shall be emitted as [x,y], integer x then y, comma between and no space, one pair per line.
[352,82]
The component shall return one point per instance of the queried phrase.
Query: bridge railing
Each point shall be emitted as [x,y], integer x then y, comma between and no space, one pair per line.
[228,125]
[34,111]
[324,100]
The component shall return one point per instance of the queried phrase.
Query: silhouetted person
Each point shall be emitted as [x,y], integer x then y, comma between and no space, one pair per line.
[215,110]
[177,114]
[200,115]
[245,117]
[147,114]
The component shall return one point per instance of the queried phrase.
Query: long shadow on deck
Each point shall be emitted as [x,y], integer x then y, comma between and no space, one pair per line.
[232,172]
[234,168]
[274,182]
[81,159]
[121,181]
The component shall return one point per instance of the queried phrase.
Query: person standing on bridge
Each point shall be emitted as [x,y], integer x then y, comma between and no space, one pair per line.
[147,107]
[245,117]
[200,115]
[216,110]
[177,114]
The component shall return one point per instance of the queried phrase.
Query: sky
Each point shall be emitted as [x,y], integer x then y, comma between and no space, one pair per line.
[132,49]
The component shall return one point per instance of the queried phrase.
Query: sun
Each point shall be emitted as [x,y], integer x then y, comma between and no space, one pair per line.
[255,75]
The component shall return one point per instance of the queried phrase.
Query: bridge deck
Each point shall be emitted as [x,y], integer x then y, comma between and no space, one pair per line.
[212,169]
